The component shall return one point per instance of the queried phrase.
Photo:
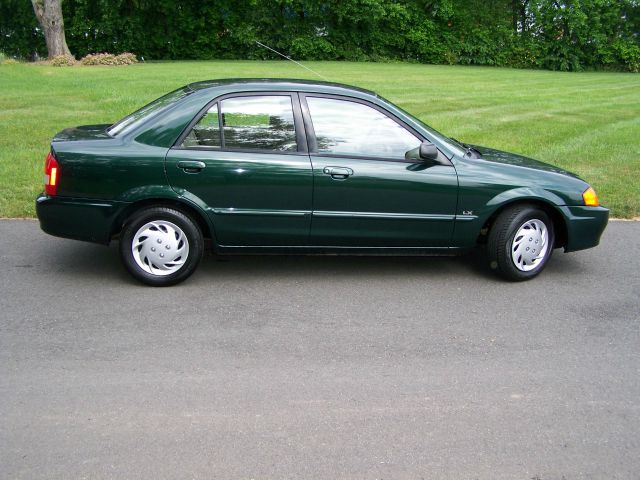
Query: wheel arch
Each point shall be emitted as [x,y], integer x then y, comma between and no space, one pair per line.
[559,223]
[193,211]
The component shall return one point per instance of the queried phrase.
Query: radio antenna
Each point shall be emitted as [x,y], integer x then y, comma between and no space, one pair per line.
[289,58]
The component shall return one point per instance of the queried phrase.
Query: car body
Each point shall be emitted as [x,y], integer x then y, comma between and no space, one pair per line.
[286,166]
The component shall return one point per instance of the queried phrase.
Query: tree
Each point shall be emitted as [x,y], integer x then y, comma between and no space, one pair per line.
[49,15]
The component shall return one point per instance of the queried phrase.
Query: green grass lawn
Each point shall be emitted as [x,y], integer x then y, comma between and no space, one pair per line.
[588,123]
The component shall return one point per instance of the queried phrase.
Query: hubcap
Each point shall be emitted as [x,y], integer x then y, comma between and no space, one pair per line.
[530,245]
[160,248]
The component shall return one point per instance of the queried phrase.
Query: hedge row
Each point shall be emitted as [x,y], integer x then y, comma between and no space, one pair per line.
[552,34]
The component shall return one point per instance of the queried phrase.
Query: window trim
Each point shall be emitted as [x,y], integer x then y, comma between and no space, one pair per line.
[301,135]
[311,133]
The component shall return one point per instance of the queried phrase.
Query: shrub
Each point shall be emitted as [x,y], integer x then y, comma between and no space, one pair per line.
[312,48]
[109,59]
[98,59]
[127,58]
[422,41]
[63,61]
[450,58]
[525,54]
[560,56]
[629,55]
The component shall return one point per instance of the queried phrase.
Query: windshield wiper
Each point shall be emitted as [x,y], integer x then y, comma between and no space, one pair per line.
[471,152]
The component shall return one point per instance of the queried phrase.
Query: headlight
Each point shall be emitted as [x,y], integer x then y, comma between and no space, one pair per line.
[590,197]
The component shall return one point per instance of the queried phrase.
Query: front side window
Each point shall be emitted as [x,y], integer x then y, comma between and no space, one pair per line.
[354,129]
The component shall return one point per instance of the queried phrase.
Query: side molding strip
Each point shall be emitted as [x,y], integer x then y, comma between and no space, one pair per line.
[329,214]
[466,218]
[261,212]
[380,215]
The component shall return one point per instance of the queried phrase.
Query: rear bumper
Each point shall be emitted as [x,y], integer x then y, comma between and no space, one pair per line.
[584,226]
[80,219]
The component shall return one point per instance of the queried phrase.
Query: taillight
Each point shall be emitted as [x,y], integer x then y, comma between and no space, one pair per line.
[51,175]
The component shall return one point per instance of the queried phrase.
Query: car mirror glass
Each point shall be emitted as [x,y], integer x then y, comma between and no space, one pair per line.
[413,154]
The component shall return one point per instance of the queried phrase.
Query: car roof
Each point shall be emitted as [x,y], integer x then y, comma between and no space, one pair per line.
[285,84]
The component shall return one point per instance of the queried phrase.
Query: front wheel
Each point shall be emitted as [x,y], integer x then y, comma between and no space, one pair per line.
[521,242]
[161,246]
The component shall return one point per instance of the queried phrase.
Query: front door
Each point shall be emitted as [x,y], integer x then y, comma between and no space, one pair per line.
[366,193]
[247,164]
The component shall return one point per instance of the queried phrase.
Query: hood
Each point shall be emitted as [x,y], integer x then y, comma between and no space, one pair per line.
[84,132]
[498,156]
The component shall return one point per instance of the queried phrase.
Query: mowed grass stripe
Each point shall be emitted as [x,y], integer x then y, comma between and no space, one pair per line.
[586,122]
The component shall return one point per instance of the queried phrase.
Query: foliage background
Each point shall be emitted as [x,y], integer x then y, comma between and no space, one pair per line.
[551,34]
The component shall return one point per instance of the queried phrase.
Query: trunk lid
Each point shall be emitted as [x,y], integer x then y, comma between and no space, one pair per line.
[83,132]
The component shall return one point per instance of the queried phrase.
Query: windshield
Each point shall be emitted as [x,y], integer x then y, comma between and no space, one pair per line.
[153,107]
[450,141]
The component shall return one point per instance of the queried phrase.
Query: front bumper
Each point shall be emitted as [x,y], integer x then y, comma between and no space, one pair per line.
[80,219]
[584,226]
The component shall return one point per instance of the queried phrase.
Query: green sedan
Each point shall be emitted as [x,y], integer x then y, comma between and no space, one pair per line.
[289,166]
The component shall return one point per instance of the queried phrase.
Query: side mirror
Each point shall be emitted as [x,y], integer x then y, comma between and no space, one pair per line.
[427,151]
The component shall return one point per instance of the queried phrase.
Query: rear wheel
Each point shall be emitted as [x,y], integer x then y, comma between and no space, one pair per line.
[521,242]
[161,246]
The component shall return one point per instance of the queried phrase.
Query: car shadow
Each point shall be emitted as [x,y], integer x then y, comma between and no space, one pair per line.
[344,266]
[89,260]
[96,261]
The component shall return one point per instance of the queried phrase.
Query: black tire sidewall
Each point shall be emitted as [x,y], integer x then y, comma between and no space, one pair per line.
[186,224]
[506,227]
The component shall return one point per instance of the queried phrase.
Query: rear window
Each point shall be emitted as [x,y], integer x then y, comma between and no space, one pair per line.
[152,108]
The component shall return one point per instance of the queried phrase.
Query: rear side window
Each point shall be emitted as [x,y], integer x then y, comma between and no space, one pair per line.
[349,128]
[260,122]
[152,108]
[206,133]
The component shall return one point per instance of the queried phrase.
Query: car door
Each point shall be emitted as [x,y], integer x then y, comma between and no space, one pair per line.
[366,193]
[245,158]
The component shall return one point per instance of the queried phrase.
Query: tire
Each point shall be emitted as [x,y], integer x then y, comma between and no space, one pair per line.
[521,242]
[161,246]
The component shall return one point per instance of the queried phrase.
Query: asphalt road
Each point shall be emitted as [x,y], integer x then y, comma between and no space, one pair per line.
[318,367]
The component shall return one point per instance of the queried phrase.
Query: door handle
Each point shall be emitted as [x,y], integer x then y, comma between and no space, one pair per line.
[191,166]
[338,173]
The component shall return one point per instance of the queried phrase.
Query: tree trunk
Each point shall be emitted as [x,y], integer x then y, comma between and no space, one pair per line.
[49,15]
[523,16]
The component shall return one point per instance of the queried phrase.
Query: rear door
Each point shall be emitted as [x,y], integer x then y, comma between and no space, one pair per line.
[246,159]
[366,194]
